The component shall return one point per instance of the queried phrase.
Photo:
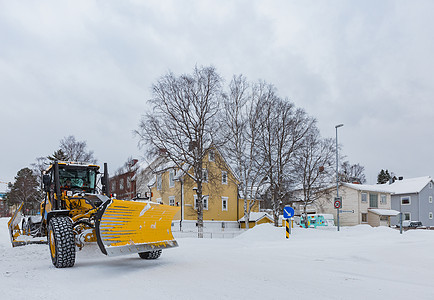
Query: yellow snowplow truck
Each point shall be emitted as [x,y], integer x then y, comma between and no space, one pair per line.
[74,213]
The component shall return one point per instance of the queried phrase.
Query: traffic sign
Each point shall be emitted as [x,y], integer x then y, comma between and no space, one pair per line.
[288,212]
[338,202]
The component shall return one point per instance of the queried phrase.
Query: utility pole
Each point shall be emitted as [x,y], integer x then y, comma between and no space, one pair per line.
[337,172]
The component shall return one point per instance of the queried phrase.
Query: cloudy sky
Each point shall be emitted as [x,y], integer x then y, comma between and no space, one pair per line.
[85,68]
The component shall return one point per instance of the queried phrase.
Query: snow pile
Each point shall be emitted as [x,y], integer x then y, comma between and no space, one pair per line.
[263,232]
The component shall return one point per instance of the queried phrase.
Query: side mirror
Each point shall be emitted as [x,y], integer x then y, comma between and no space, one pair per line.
[46,180]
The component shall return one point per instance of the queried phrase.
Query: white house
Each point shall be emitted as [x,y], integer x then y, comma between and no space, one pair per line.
[361,204]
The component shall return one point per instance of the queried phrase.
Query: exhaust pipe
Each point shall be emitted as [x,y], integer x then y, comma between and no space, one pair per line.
[105,182]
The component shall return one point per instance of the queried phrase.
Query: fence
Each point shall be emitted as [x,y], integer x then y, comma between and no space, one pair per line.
[209,234]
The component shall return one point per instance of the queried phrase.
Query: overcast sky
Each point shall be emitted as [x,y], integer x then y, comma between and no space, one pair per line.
[85,68]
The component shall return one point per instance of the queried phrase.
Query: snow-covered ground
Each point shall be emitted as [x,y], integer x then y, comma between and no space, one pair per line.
[356,263]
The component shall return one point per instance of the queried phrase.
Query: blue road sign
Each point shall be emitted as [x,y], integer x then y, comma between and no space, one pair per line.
[288,212]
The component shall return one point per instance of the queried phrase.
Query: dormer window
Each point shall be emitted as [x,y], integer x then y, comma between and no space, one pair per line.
[211,155]
[171,178]
[159,182]
[224,177]
[204,175]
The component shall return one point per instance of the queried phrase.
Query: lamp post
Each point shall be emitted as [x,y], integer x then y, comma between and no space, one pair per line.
[337,171]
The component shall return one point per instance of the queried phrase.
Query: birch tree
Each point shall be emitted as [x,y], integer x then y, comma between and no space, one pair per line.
[183,122]
[314,166]
[352,173]
[242,115]
[283,128]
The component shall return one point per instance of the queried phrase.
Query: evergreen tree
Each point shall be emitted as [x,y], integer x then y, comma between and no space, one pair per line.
[383,177]
[58,155]
[25,189]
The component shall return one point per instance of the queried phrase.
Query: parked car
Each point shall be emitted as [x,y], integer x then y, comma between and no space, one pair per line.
[415,224]
[410,224]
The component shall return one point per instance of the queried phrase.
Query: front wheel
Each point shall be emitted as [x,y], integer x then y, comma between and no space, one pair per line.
[61,242]
[150,254]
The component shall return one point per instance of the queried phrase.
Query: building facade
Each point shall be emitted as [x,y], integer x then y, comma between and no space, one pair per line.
[361,204]
[222,205]
[414,198]
[123,184]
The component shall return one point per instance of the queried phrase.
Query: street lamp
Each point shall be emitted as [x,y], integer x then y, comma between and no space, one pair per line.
[337,172]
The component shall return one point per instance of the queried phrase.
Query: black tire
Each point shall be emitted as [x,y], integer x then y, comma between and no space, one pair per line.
[61,242]
[150,254]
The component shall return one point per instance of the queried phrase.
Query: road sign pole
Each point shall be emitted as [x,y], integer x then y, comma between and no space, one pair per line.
[288,231]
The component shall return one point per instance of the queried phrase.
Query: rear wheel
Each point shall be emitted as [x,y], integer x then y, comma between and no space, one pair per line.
[150,254]
[61,242]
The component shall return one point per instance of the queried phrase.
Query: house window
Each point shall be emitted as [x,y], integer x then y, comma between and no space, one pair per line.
[373,200]
[407,217]
[171,178]
[430,199]
[172,200]
[211,155]
[113,185]
[430,215]
[364,218]
[121,184]
[405,200]
[204,201]
[364,198]
[159,182]
[204,175]
[129,182]
[224,177]
[384,218]
[383,199]
[225,203]
[430,184]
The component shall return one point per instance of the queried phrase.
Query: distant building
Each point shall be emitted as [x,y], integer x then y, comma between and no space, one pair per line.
[256,218]
[361,204]
[3,205]
[414,198]
[123,184]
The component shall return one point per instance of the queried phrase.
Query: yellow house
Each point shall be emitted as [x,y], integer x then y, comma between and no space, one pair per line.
[222,205]
[256,218]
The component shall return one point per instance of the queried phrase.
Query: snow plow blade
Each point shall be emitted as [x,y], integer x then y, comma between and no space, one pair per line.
[18,238]
[125,227]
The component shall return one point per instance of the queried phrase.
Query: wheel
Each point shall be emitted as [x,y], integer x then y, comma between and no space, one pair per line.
[61,242]
[150,255]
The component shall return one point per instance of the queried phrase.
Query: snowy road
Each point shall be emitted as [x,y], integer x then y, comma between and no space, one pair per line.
[356,263]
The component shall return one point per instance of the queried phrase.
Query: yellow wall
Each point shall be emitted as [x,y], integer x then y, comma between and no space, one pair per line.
[213,188]
[255,207]
[253,224]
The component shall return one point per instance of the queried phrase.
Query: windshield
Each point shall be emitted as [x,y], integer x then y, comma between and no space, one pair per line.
[82,178]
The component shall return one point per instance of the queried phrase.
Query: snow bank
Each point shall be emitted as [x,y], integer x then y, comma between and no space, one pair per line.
[262,232]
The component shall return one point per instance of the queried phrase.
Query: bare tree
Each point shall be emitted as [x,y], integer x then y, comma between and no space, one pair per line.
[242,115]
[283,128]
[75,150]
[352,173]
[183,122]
[313,165]
[38,167]
[130,166]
